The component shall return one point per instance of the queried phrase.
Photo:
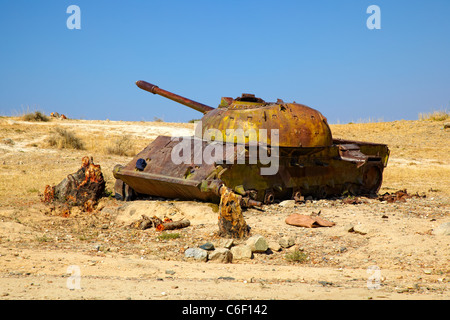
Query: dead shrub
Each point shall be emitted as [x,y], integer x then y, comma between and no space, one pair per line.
[35,116]
[64,139]
[121,147]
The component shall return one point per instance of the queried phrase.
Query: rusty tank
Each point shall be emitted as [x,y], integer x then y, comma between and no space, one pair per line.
[263,151]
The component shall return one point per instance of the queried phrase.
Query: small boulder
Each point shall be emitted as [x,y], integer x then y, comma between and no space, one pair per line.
[257,243]
[241,252]
[274,246]
[220,255]
[196,254]
[207,246]
[286,242]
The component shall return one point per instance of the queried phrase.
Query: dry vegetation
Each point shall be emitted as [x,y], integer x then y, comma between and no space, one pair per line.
[437,115]
[65,139]
[35,116]
[122,146]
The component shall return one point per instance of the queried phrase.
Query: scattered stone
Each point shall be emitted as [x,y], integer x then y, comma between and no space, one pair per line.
[241,252]
[427,271]
[197,254]
[442,230]
[342,249]
[348,227]
[326,283]
[221,255]
[207,246]
[171,272]
[287,203]
[257,243]
[286,242]
[358,228]
[228,243]
[274,246]
[226,278]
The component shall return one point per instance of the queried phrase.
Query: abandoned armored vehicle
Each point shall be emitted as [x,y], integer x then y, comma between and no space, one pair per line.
[264,151]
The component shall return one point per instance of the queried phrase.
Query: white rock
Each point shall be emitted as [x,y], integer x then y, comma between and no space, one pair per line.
[197,254]
[287,203]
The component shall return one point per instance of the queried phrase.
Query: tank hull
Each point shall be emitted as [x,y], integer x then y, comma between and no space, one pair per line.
[345,166]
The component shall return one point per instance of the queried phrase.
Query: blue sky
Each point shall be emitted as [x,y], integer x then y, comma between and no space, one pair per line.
[319,53]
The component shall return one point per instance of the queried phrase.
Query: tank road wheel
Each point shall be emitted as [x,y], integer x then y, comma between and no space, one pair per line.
[373,177]
[269,197]
[321,192]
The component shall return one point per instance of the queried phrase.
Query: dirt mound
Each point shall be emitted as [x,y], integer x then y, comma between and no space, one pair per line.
[196,212]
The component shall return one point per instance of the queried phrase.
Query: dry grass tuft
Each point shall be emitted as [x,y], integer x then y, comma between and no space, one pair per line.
[121,147]
[35,116]
[296,256]
[64,139]
[437,115]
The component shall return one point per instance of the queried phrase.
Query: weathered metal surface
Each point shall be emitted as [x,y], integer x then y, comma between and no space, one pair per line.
[172,96]
[310,161]
[296,125]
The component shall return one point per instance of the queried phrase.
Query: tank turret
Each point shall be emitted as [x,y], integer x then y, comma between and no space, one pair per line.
[295,124]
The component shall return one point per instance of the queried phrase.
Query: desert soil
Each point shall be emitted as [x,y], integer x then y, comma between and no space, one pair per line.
[398,252]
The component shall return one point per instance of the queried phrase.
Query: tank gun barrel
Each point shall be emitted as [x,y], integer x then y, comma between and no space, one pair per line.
[172,96]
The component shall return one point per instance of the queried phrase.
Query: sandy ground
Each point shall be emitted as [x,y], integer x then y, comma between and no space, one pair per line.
[399,254]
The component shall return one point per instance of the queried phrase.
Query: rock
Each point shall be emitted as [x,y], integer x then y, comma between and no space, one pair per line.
[221,255]
[442,230]
[348,227]
[171,272]
[241,252]
[197,254]
[257,243]
[228,243]
[287,203]
[274,246]
[358,228]
[207,246]
[286,242]
[226,278]
[427,271]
